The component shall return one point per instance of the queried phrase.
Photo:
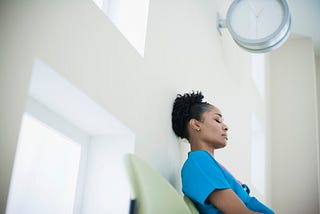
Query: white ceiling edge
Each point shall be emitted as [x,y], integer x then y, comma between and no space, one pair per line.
[63,98]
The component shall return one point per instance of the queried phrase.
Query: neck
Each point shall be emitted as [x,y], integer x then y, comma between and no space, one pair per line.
[199,146]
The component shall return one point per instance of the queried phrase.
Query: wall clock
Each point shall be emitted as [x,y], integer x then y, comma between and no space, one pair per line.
[258,26]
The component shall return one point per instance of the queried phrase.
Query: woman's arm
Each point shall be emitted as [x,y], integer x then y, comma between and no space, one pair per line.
[228,202]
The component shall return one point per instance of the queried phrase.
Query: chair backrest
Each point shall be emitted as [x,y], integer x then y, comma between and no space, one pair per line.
[191,205]
[154,194]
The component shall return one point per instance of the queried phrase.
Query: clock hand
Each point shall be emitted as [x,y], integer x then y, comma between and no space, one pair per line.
[259,13]
[252,8]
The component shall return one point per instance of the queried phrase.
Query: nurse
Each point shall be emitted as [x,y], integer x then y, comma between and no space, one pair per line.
[204,180]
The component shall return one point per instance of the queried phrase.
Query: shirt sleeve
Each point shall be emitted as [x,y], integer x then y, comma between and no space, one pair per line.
[201,175]
[255,205]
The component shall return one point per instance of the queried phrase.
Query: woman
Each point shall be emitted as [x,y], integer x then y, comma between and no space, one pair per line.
[207,183]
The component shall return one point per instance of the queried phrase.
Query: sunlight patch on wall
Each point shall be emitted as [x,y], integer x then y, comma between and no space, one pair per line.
[258,154]
[258,73]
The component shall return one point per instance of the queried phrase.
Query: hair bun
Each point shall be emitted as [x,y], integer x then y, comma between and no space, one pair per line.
[191,98]
[181,111]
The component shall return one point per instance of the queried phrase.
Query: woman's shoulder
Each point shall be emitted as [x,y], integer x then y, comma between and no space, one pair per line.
[200,158]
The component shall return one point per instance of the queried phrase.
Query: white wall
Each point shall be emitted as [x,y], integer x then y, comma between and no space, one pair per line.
[294,128]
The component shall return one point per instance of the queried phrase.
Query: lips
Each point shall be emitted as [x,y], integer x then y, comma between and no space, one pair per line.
[225,135]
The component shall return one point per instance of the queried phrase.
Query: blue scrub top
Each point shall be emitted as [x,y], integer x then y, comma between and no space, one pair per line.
[201,174]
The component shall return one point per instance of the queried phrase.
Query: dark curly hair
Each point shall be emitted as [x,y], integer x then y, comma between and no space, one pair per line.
[185,108]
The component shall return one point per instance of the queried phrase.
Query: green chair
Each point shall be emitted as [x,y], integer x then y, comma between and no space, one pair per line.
[190,204]
[152,192]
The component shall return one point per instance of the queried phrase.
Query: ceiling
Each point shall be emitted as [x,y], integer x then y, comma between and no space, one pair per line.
[305,18]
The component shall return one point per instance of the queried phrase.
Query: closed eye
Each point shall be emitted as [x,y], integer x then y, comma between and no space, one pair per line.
[219,120]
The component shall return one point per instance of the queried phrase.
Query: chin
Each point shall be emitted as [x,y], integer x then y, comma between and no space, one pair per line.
[222,146]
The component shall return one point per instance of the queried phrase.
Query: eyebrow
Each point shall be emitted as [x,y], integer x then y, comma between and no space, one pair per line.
[218,114]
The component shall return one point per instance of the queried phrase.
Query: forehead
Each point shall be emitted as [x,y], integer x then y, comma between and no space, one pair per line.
[212,110]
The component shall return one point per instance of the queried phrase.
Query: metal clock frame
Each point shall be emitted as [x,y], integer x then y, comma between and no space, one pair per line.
[263,45]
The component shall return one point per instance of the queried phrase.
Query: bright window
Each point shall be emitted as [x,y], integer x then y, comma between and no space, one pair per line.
[45,171]
[69,155]
[130,17]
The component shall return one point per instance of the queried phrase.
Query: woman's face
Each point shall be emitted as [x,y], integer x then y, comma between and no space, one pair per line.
[213,131]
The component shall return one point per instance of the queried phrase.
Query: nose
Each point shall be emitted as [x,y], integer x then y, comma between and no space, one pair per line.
[225,127]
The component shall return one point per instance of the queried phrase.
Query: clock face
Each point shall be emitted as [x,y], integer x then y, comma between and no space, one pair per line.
[255,19]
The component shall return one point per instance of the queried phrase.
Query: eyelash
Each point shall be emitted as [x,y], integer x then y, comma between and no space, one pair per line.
[219,120]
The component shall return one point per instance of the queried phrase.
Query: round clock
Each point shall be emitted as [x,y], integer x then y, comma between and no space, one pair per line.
[259,25]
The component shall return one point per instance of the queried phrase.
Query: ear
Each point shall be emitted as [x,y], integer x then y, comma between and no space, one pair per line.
[194,124]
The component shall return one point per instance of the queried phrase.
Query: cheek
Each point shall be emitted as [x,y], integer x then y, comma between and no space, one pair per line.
[212,131]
